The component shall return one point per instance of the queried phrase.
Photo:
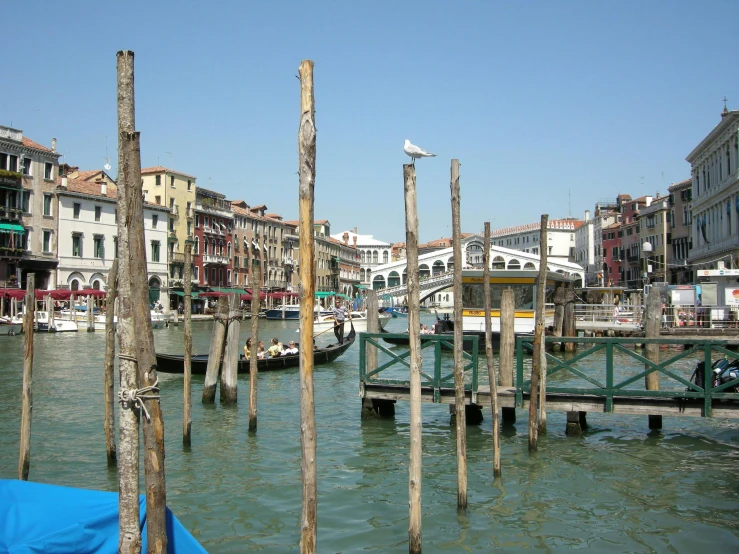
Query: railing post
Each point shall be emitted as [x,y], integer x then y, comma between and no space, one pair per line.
[609,376]
[707,381]
[519,373]
[437,370]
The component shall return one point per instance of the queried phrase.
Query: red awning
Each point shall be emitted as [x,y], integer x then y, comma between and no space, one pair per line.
[55,294]
[18,294]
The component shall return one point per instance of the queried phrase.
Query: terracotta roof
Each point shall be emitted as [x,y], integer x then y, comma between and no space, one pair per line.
[235,208]
[89,188]
[274,216]
[321,222]
[291,223]
[32,144]
[86,175]
[162,169]
[680,184]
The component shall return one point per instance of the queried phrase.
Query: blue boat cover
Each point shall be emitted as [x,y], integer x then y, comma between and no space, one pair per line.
[37,518]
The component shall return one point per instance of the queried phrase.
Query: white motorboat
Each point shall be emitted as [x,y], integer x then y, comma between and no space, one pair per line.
[54,324]
[359,320]
[10,327]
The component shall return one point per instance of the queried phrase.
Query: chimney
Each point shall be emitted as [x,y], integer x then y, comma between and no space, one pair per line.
[64,182]
[103,188]
[355,230]
[587,215]
[355,241]
[346,238]
[53,145]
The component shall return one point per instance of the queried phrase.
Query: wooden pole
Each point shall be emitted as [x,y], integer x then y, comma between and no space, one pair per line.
[49,313]
[88,313]
[256,289]
[489,352]
[507,345]
[109,426]
[187,316]
[569,324]
[414,316]
[217,340]
[153,423]
[128,451]
[536,366]
[653,319]
[229,373]
[373,326]
[459,400]
[307,181]
[24,461]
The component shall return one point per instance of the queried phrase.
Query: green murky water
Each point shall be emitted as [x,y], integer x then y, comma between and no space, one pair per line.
[619,488]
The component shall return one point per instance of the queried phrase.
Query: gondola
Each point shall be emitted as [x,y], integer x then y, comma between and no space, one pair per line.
[173,363]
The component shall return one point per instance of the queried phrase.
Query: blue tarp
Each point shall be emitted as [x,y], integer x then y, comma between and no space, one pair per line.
[37,518]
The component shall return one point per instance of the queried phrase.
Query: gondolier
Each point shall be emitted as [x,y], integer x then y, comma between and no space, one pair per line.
[340,313]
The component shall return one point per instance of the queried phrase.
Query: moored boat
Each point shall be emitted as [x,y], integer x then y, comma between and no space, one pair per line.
[358,319]
[175,363]
[10,327]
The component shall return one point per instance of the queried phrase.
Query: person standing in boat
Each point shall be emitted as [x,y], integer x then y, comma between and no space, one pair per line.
[340,314]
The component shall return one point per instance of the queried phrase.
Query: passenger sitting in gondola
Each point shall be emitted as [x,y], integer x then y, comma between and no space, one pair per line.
[275,349]
[291,349]
[247,348]
[261,353]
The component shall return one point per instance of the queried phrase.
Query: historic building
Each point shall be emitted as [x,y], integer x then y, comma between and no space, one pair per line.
[681,242]
[654,230]
[372,253]
[88,237]
[714,165]
[213,239]
[28,214]
[241,244]
[560,236]
[176,191]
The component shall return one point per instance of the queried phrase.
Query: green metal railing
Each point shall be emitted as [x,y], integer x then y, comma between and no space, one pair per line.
[605,383]
[437,380]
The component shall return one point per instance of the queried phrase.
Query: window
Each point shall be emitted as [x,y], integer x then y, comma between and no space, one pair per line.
[115,216]
[171,181]
[171,224]
[98,211]
[157,200]
[158,181]
[155,251]
[189,228]
[154,221]
[47,204]
[26,169]
[48,171]
[189,185]
[195,246]
[197,221]
[26,201]
[12,163]
[77,245]
[115,247]
[46,247]
[76,210]
[97,246]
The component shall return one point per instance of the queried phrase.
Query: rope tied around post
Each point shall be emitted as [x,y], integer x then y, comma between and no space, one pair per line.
[239,315]
[135,397]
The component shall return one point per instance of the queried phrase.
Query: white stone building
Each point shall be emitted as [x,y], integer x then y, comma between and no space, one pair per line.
[560,238]
[589,242]
[88,234]
[714,170]
[372,253]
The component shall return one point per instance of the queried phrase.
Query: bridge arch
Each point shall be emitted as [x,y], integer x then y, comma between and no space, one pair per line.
[529,265]
[423,271]
[393,280]
[438,268]
[378,282]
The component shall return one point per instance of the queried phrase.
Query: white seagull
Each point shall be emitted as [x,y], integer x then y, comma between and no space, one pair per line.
[415,152]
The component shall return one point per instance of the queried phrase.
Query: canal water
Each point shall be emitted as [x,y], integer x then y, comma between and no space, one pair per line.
[618,488]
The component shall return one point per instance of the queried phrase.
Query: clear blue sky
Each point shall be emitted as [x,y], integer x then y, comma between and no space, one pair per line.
[549,106]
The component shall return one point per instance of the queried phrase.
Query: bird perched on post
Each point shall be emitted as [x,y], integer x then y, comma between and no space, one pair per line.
[415,152]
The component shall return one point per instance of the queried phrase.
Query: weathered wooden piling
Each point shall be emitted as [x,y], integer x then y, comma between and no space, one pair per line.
[374,408]
[507,349]
[128,445]
[414,305]
[229,373]
[537,397]
[24,460]
[215,354]
[187,316]
[653,319]
[307,181]
[569,324]
[88,314]
[131,225]
[459,399]
[109,426]
[492,378]
[256,288]
[541,299]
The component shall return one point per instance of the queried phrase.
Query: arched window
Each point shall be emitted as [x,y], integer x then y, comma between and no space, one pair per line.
[196,246]
[363,256]
[438,267]
[498,262]
[228,250]
[361,275]
[393,280]
[384,257]
[514,264]
[423,271]
[529,265]
[374,257]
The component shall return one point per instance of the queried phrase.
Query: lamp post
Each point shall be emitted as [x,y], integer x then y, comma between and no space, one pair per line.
[646,249]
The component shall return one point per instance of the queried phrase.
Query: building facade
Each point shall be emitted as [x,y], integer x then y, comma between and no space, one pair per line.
[560,237]
[372,253]
[681,241]
[28,174]
[88,238]
[654,229]
[714,173]
[176,191]
[213,236]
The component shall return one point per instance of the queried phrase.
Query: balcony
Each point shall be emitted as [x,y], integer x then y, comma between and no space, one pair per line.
[176,258]
[11,213]
[175,211]
[189,213]
[221,208]
[7,252]
[212,259]
[10,179]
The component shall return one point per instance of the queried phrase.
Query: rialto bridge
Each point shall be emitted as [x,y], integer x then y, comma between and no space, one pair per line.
[436,269]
